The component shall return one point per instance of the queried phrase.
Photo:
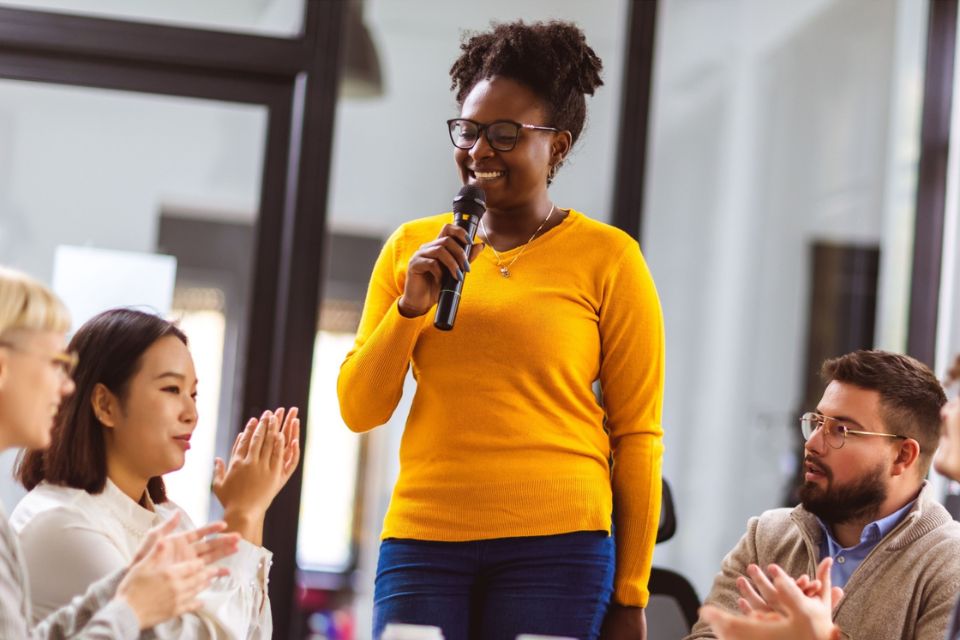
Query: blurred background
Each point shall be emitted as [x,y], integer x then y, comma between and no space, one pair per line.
[789,167]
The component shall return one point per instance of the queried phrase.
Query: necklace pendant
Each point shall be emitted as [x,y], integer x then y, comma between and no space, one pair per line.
[504,272]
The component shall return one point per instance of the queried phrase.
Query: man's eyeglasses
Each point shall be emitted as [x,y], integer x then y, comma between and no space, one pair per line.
[501,134]
[64,361]
[834,431]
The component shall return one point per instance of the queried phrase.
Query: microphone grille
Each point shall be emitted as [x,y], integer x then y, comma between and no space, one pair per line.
[470,199]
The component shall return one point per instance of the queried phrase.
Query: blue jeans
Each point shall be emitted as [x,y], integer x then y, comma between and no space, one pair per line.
[497,589]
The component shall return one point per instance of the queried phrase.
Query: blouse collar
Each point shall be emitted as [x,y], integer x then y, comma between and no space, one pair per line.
[134,517]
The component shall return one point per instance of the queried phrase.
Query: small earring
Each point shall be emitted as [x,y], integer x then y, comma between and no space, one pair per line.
[552,173]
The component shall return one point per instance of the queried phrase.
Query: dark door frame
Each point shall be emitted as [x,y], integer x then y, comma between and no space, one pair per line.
[931,196]
[628,186]
[296,79]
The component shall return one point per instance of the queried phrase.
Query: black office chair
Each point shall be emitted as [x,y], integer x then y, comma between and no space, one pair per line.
[673,605]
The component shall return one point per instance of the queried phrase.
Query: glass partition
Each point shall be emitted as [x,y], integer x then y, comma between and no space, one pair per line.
[94,183]
[779,228]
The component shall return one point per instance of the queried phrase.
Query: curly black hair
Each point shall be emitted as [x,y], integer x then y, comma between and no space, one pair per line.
[552,58]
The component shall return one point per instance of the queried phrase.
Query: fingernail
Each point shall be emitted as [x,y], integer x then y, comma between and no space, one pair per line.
[459,274]
[466,266]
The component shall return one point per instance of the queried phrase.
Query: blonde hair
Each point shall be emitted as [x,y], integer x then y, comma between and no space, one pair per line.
[27,304]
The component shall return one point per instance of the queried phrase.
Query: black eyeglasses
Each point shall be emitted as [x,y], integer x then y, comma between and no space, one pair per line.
[834,432]
[501,134]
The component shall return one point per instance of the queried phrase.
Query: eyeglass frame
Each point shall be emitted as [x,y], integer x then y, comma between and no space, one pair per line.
[66,361]
[821,421]
[483,130]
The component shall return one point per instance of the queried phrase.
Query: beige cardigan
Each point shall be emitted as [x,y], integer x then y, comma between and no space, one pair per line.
[904,589]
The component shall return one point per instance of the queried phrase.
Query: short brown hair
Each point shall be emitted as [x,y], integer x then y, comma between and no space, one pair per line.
[110,347]
[910,395]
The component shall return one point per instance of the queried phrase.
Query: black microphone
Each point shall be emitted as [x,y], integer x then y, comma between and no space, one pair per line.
[468,207]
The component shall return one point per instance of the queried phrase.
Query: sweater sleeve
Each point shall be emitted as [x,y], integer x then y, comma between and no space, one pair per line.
[371,377]
[724,592]
[939,598]
[92,616]
[631,379]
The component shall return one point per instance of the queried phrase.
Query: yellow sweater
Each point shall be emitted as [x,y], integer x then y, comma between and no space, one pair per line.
[505,437]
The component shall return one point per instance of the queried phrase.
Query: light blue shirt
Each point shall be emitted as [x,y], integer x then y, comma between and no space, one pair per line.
[846,560]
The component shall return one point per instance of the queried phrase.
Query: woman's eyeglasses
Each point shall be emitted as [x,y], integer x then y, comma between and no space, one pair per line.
[501,134]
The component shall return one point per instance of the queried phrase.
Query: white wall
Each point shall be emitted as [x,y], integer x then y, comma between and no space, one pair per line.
[95,168]
[770,129]
[393,160]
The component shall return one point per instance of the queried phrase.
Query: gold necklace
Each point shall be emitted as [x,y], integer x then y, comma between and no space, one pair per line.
[505,268]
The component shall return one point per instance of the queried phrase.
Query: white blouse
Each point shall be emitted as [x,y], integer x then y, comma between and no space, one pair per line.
[71,538]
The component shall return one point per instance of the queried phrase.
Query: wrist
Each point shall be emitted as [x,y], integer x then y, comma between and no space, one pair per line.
[122,599]
[246,522]
[406,311]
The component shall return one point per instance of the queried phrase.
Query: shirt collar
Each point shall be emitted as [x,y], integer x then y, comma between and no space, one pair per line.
[875,531]
[131,514]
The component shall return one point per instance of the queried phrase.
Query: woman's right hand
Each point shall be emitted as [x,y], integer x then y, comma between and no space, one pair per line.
[171,569]
[426,267]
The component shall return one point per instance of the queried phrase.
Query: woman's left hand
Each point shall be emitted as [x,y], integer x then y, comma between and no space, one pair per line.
[624,623]
[264,457]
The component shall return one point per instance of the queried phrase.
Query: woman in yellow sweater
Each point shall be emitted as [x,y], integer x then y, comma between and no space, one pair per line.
[500,520]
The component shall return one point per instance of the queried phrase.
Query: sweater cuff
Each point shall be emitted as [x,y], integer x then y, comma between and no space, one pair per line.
[414,324]
[630,594]
[119,617]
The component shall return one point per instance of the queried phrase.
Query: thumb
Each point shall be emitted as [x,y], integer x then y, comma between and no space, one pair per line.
[475,249]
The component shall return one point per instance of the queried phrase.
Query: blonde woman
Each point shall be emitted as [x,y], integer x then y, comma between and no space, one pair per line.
[167,572]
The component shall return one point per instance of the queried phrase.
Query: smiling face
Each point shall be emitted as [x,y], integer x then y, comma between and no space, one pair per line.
[515,178]
[148,429]
[32,386]
[852,482]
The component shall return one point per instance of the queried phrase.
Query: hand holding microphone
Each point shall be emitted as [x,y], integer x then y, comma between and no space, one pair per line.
[441,264]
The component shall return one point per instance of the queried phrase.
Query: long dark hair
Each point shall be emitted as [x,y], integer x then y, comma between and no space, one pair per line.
[110,347]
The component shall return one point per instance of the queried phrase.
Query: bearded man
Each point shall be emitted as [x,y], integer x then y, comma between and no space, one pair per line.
[865,504]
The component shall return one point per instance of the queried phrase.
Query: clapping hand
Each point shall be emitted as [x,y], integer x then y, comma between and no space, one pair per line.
[171,569]
[264,456]
[781,609]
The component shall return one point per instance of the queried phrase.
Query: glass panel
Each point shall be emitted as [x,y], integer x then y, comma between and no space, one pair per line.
[781,190]
[265,17]
[329,464]
[132,177]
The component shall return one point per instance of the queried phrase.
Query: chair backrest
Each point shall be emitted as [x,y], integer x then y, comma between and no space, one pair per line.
[673,605]
[668,517]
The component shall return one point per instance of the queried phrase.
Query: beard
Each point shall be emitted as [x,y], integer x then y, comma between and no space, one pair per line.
[857,501]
